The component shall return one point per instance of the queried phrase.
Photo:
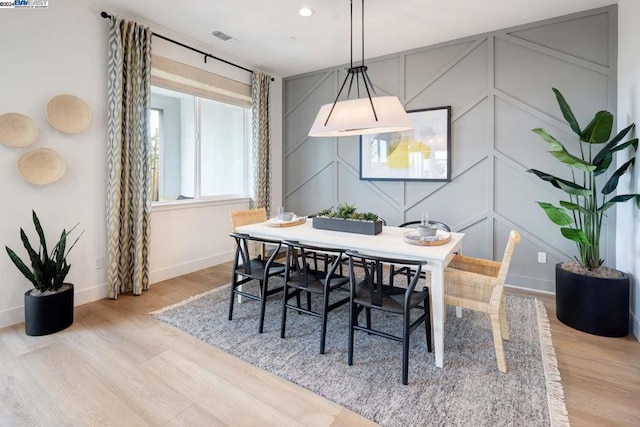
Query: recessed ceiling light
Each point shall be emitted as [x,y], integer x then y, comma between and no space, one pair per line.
[306,11]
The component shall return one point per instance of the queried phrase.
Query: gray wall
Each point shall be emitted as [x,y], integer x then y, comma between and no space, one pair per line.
[499,88]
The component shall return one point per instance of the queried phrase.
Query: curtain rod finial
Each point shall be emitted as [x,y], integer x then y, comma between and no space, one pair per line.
[104,14]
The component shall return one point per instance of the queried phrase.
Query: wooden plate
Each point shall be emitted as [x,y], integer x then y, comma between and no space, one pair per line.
[413,238]
[275,223]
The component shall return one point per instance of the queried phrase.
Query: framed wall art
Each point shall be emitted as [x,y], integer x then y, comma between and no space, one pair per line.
[421,154]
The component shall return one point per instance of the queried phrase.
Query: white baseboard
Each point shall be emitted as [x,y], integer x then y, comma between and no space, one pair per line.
[11,316]
[535,291]
[178,270]
[635,325]
[15,315]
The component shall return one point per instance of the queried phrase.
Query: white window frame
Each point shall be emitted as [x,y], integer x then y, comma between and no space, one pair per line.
[223,199]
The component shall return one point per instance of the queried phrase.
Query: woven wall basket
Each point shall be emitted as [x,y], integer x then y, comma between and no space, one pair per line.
[17,130]
[41,166]
[68,113]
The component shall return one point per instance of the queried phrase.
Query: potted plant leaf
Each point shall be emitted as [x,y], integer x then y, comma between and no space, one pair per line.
[346,218]
[48,308]
[589,296]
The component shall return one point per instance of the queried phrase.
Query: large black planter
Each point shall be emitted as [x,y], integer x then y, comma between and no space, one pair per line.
[48,314]
[595,305]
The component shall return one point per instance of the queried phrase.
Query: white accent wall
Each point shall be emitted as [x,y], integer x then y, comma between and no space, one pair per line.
[628,215]
[63,49]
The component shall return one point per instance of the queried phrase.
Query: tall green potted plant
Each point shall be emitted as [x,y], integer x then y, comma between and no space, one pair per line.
[48,308]
[589,296]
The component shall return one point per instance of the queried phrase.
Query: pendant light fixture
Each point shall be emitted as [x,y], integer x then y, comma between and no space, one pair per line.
[360,116]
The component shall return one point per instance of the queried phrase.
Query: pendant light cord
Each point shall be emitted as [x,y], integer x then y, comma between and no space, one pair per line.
[351,33]
[363,33]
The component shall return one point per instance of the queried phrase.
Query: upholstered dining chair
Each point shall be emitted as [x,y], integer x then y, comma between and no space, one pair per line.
[370,292]
[248,268]
[478,284]
[300,278]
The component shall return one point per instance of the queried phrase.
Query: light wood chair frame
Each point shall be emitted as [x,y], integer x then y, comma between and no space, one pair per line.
[478,284]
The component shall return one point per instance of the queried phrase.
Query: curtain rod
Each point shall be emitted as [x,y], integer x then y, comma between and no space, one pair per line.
[105,15]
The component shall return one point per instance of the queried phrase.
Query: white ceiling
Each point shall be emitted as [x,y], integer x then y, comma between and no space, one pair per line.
[272,36]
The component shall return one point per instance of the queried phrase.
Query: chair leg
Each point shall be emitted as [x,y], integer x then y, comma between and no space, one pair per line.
[283,322]
[497,342]
[263,304]
[392,273]
[308,301]
[368,315]
[323,330]
[352,323]
[427,326]
[234,280]
[405,347]
[504,326]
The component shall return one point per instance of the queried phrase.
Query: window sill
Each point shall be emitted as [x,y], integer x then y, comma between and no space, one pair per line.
[194,204]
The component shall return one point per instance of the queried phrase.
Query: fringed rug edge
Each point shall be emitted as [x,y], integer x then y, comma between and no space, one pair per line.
[558,415]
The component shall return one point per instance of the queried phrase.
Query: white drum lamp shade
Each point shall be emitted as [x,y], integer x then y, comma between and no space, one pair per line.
[356,117]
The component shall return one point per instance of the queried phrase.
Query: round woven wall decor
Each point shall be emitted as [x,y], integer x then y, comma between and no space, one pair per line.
[68,113]
[41,166]
[17,130]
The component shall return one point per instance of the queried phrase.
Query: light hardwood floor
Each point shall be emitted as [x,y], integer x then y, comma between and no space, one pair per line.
[116,365]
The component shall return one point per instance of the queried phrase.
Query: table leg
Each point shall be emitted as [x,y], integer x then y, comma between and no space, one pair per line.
[437,304]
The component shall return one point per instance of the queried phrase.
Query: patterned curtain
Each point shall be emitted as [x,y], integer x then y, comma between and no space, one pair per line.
[261,140]
[129,178]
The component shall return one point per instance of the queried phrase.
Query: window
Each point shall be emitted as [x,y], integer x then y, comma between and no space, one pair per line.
[199,147]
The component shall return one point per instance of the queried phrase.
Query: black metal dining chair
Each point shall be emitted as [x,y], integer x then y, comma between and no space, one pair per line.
[257,268]
[370,293]
[438,224]
[301,278]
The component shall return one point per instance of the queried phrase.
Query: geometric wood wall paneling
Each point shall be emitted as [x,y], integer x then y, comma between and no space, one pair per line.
[349,151]
[499,87]
[315,195]
[529,75]
[430,62]
[307,161]
[460,85]
[298,88]
[522,271]
[515,195]
[297,122]
[464,198]
[385,75]
[586,38]
[471,138]
[514,138]
[476,237]
[351,190]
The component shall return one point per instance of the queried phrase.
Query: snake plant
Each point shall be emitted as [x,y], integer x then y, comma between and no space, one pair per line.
[580,217]
[48,270]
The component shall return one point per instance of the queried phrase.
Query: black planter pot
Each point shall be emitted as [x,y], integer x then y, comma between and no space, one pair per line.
[599,306]
[348,226]
[48,314]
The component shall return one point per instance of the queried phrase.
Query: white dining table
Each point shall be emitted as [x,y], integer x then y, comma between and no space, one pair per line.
[390,243]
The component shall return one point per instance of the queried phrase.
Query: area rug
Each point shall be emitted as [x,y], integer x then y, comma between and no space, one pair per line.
[468,391]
